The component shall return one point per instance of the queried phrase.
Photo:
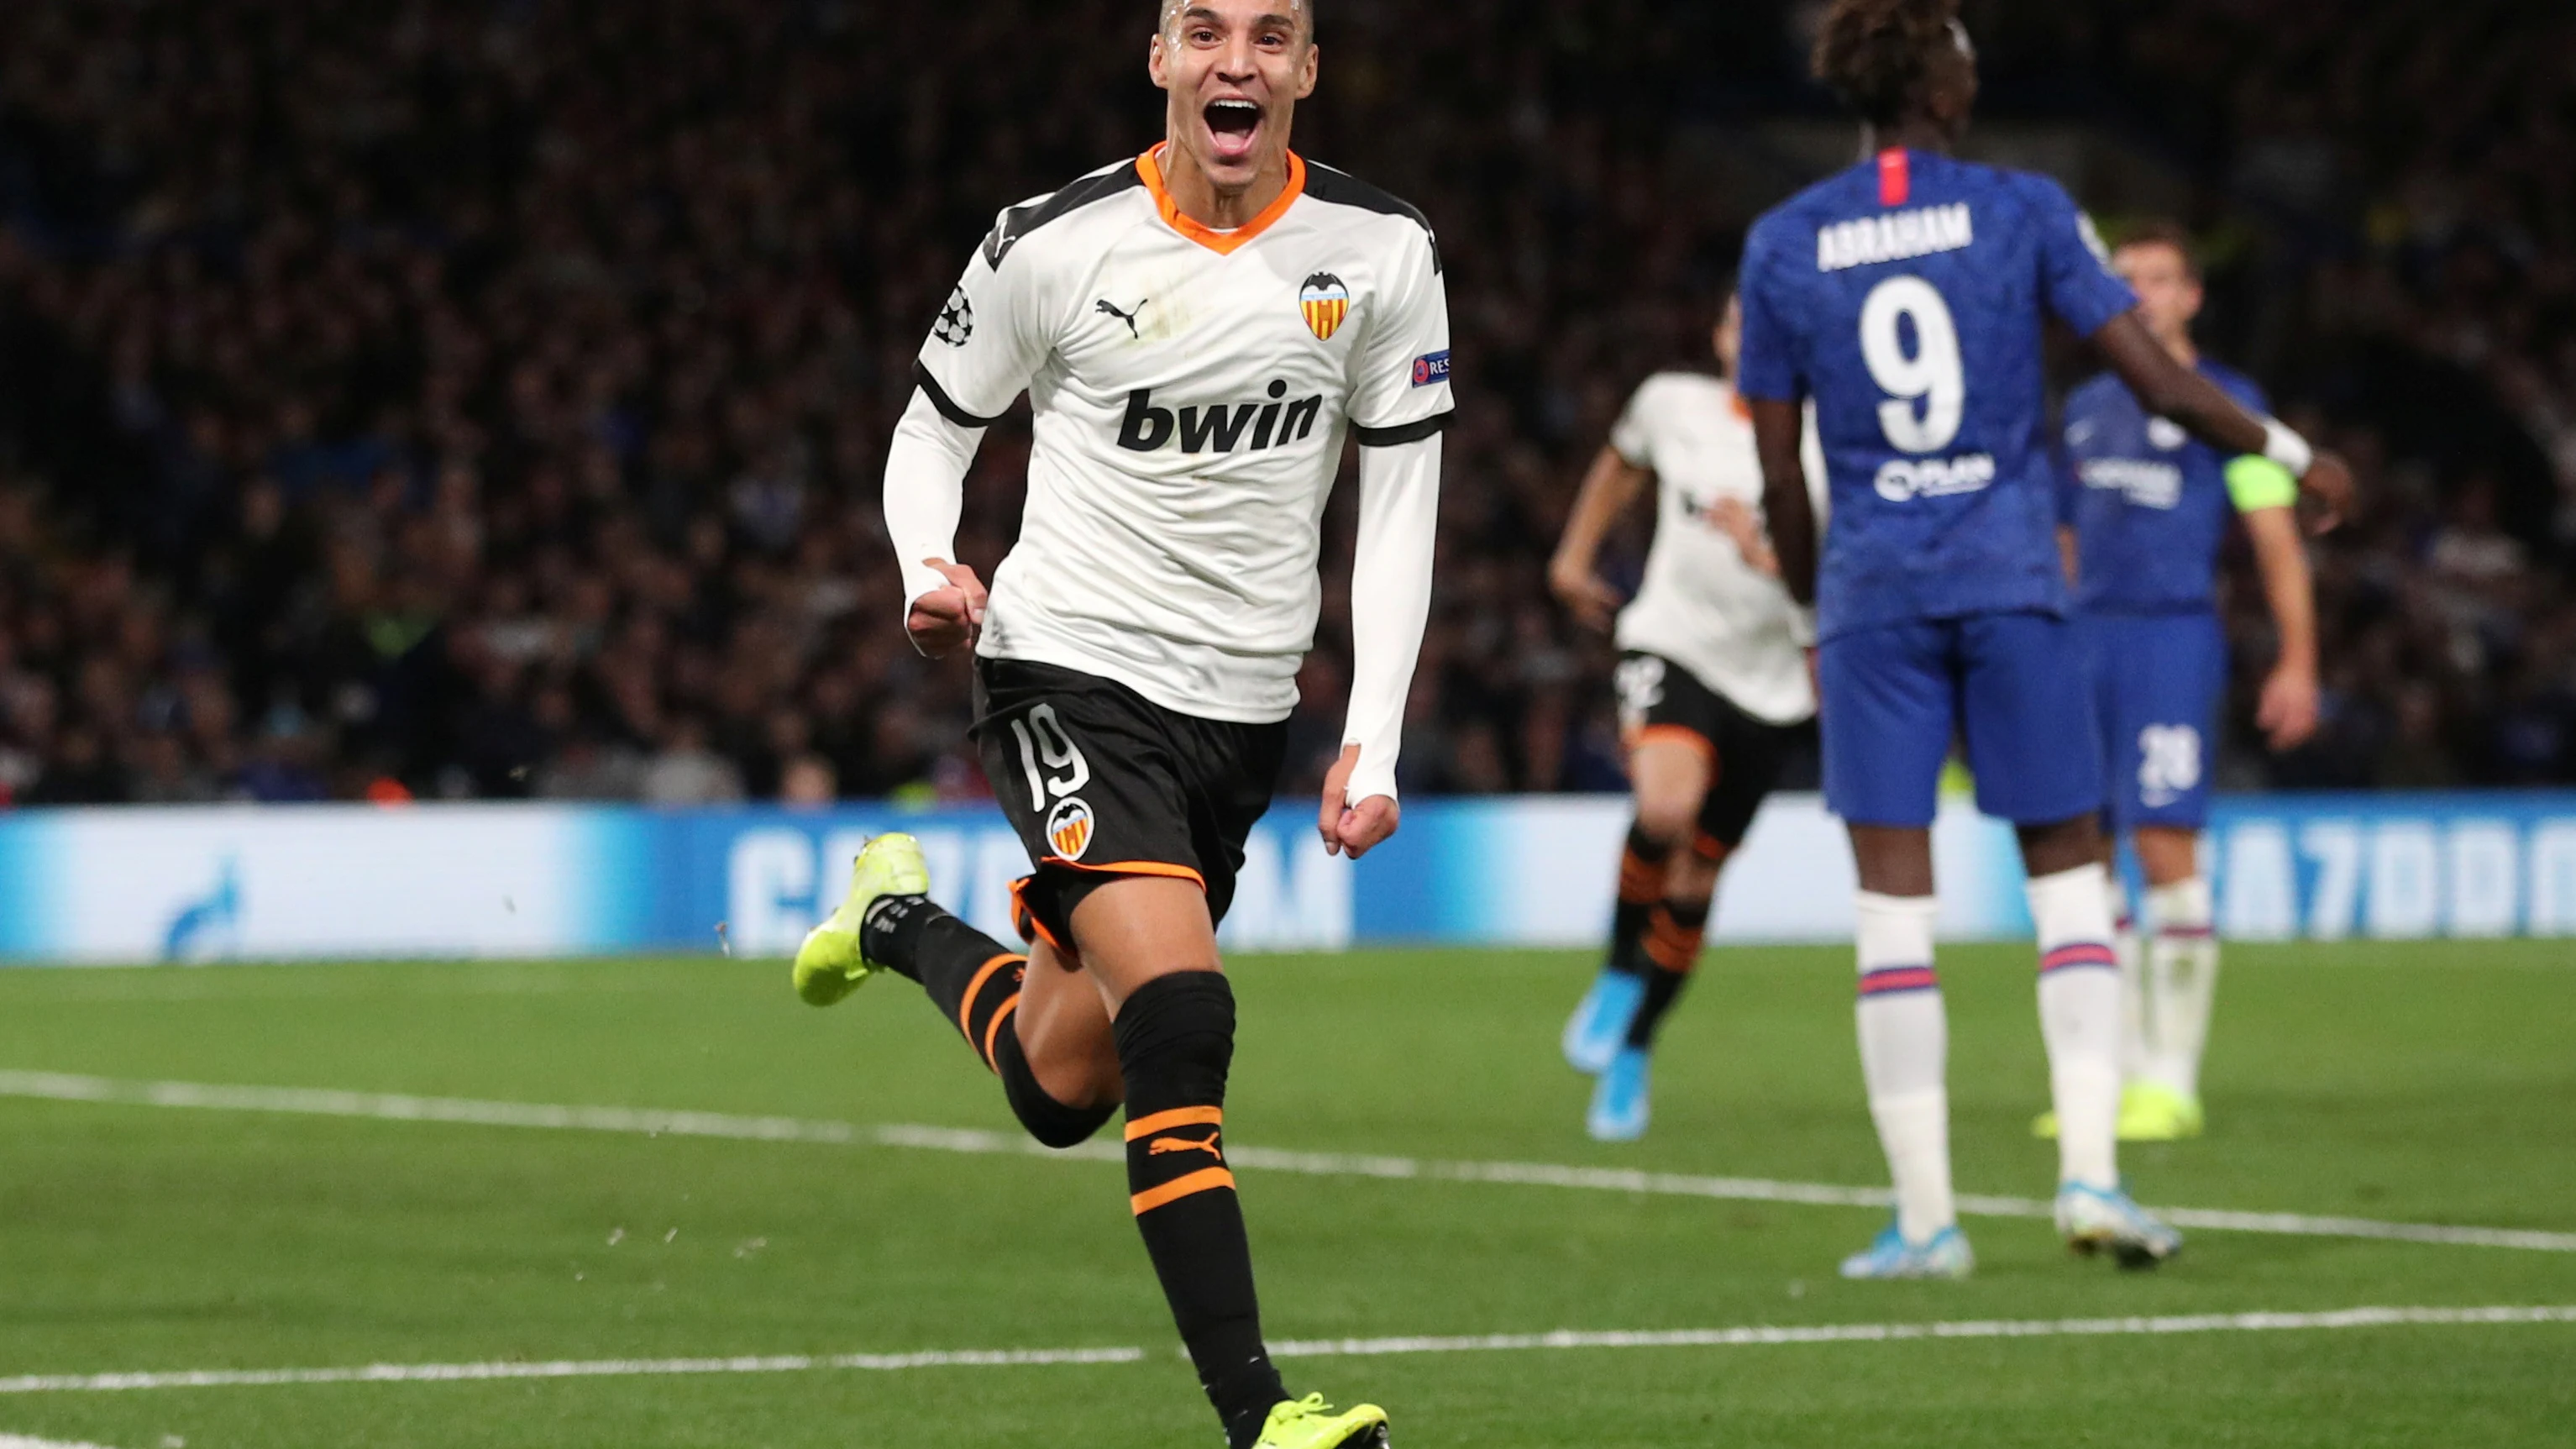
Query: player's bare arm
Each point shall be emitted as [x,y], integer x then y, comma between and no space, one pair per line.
[1786,506]
[2287,712]
[1743,528]
[1609,490]
[2168,389]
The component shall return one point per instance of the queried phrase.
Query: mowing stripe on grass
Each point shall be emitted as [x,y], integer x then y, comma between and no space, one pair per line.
[1562,1340]
[54,1086]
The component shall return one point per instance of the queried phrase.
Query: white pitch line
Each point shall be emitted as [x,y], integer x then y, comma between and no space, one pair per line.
[1758,1337]
[1564,1340]
[458,1373]
[61,1087]
[21,1441]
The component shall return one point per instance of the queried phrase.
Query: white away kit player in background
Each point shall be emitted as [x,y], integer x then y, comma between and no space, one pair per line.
[1198,329]
[1713,689]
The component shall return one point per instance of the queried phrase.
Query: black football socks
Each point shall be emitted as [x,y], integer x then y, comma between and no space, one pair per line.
[975,980]
[1175,1045]
[1641,890]
[1670,953]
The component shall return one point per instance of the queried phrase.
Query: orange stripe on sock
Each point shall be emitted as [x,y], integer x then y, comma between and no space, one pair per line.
[1144,1127]
[1206,1179]
[974,988]
[1640,880]
[993,1032]
[1671,945]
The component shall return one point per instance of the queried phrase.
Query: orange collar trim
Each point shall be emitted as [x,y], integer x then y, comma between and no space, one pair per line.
[1223,243]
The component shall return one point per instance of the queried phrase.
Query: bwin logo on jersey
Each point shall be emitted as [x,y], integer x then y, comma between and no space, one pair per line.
[1240,427]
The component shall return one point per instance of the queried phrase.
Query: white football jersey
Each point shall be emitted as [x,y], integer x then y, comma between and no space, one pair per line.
[1191,389]
[1701,605]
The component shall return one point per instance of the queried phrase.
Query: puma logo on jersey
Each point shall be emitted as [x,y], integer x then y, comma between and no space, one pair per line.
[1107,308]
[1220,429]
[1162,1145]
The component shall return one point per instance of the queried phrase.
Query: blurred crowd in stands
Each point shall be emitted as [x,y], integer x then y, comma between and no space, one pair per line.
[486,398]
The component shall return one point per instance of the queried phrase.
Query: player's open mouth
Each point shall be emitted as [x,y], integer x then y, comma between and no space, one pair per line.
[1235,126]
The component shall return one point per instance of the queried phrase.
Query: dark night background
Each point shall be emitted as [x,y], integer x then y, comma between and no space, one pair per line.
[474,399]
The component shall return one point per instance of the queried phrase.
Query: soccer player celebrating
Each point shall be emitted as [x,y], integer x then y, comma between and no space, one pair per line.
[1712,687]
[2146,508]
[1907,296]
[1198,328]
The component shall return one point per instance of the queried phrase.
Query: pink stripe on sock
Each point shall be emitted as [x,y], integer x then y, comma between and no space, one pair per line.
[1900,978]
[2084,954]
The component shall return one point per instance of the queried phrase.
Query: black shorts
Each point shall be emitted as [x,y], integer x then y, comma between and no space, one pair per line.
[1660,699]
[1102,783]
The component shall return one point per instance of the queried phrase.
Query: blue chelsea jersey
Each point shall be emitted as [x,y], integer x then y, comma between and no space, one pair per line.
[1908,296]
[2148,502]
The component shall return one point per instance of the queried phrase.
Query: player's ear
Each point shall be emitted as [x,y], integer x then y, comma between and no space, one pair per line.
[1306,72]
[1157,64]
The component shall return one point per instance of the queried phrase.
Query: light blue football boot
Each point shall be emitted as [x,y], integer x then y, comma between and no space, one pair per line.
[1599,1026]
[2093,1221]
[1890,1256]
[1621,1100]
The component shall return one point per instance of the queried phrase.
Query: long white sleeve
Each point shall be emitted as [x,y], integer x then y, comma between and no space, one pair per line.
[925,491]
[1390,602]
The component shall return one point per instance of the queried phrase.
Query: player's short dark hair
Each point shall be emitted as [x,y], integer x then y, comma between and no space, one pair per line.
[1877,54]
[2159,232]
[1305,8]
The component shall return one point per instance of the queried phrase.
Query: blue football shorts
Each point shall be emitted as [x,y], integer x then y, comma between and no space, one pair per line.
[2158,680]
[2012,687]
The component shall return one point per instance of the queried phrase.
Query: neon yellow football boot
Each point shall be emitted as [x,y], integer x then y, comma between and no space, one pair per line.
[2154,1112]
[831,963]
[1308,1423]
[2149,1112]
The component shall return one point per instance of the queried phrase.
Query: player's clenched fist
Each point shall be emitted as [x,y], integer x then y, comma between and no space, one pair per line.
[2329,486]
[945,620]
[1353,827]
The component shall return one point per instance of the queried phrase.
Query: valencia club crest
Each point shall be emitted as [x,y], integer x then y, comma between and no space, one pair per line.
[1068,828]
[1326,302]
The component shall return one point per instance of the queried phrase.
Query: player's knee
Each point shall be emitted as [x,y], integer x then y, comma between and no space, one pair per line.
[2062,845]
[1669,818]
[1176,1040]
[1041,1107]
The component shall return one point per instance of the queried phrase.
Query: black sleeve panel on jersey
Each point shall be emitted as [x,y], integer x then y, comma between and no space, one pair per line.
[1343,189]
[947,405]
[1019,221]
[1401,434]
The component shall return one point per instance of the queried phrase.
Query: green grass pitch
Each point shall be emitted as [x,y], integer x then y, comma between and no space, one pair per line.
[2431,1084]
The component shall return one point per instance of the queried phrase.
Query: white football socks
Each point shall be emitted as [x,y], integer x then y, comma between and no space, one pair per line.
[1904,1058]
[2080,1017]
[2182,983]
[2137,1052]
